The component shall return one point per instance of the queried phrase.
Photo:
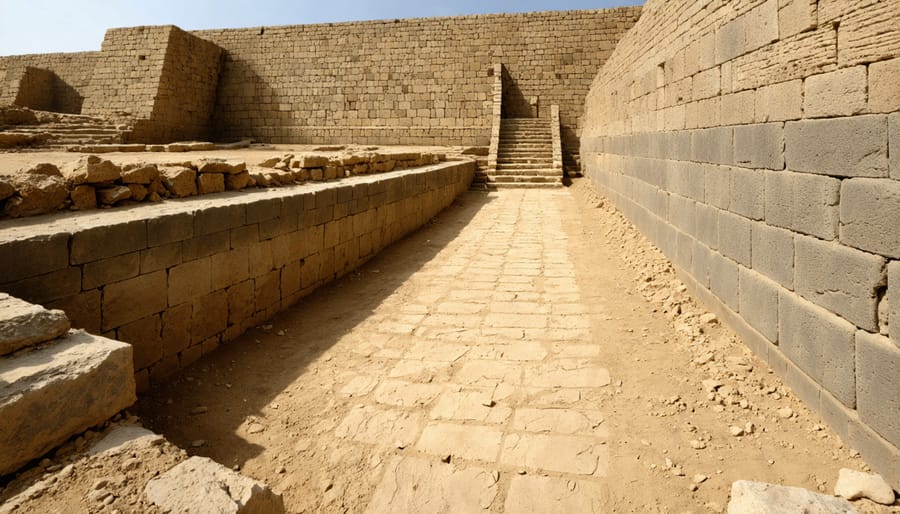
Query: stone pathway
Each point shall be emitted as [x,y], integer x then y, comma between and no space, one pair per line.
[494,373]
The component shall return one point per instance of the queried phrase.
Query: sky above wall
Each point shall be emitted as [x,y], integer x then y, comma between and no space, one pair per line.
[42,26]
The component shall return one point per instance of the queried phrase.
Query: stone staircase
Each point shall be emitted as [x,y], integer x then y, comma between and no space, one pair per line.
[524,158]
[53,130]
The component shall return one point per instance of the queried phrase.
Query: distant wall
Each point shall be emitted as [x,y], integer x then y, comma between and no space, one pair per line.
[757,143]
[73,73]
[419,81]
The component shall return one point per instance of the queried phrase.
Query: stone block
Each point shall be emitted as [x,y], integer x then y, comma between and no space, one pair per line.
[133,299]
[708,225]
[779,102]
[218,218]
[201,485]
[714,145]
[841,279]
[229,268]
[884,95]
[737,108]
[759,146]
[176,329]
[843,147]
[893,295]
[46,288]
[90,170]
[210,316]
[83,310]
[870,215]
[735,237]
[145,338]
[263,210]
[169,229]
[819,343]
[23,324]
[241,305]
[160,257]
[207,245]
[268,290]
[208,183]
[803,203]
[718,186]
[107,271]
[724,281]
[877,383]
[748,193]
[894,123]
[773,253]
[687,179]
[757,498]
[77,382]
[759,303]
[189,280]
[682,213]
[39,255]
[836,93]
[702,256]
[796,16]
[101,242]
[731,40]
[707,84]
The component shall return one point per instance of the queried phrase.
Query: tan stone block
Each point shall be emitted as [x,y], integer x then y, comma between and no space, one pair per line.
[837,93]
[558,453]
[884,92]
[115,269]
[210,316]
[145,337]
[779,102]
[133,299]
[795,16]
[189,280]
[465,441]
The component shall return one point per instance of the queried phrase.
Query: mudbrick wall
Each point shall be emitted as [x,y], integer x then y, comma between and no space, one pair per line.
[177,279]
[757,143]
[419,81]
[72,77]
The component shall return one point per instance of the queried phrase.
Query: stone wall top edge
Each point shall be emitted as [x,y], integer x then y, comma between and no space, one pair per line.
[52,55]
[74,222]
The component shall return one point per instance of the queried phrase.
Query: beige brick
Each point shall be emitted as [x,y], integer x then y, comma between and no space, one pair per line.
[133,299]
[738,108]
[884,95]
[870,215]
[837,93]
[877,382]
[707,84]
[779,102]
[795,16]
[759,146]
[893,296]
[844,147]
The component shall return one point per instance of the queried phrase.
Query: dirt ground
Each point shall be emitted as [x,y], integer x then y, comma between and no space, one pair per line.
[524,351]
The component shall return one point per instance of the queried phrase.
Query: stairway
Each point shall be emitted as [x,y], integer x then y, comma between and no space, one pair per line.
[55,130]
[524,158]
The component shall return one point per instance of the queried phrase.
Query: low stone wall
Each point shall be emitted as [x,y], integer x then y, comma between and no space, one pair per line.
[177,279]
[756,143]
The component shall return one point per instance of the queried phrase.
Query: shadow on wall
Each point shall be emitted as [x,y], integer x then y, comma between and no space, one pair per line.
[256,98]
[260,365]
[515,105]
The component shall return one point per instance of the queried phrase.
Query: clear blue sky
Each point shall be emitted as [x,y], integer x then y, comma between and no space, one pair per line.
[39,26]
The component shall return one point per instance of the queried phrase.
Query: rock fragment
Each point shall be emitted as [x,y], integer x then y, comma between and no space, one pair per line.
[91,170]
[854,485]
[23,324]
[761,498]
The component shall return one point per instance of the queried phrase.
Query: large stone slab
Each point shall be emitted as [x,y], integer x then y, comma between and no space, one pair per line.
[201,486]
[23,324]
[56,390]
[761,498]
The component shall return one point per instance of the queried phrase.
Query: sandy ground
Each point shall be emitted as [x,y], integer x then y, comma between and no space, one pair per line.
[524,351]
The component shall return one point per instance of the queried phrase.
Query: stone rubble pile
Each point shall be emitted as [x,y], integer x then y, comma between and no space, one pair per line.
[92,182]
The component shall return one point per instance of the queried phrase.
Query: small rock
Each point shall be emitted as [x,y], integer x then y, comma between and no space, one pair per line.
[180,182]
[736,431]
[708,318]
[698,445]
[693,487]
[199,443]
[83,198]
[113,195]
[138,192]
[785,413]
[855,484]
[699,479]
[710,385]
[255,428]
[209,183]
[36,193]
[749,428]
[280,469]
[98,495]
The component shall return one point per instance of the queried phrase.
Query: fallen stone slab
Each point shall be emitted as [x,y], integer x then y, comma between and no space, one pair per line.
[123,437]
[854,485]
[24,324]
[761,498]
[61,388]
[200,485]
[39,190]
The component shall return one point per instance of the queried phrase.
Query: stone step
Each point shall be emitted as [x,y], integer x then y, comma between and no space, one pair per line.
[547,172]
[523,166]
[537,159]
[495,186]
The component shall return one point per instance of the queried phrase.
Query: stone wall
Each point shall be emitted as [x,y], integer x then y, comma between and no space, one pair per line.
[756,143]
[72,77]
[420,81]
[177,279]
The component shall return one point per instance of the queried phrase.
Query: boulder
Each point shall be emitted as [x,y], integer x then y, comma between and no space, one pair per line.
[113,195]
[854,485]
[83,198]
[180,182]
[211,183]
[199,485]
[38,191]
[24,324]
[91,170]
[50,392]
[140,174]
[761,498]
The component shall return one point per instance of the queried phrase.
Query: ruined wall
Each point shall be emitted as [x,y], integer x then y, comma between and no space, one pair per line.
[73,73]
[420,81]
[177,279]
[757,143]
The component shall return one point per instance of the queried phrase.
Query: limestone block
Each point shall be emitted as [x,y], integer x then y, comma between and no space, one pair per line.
[836,93]
[870,215]
[759,303]
[718,186]
[841,279]
[59,389]
[6,189]
[100,242]
[731,39]
[133,299]
[877,382]
[169,229]
[90,170]
[853,485]
[702,256]
[748,193]
[113,195]
[803,203]
[884,95]
[687,179]
[210,183]
[868,34]
[180,182]
[237,181]
[83,198]
[707,84]
[819,343]
[773,253]
[122,438]
[724,281]
[894,299]
[708,225]
[713,145]
[737,108]
[844,147]
[760,498]
[735,237]
[683,213]
[759,146]
[894,122]
[23,324]
[221,166]
[106,271]
[140,173]
[412,484]
[139,192]
[779,102]
[39,190]
[189,280]
[203,486]
[145,338]
[796,16]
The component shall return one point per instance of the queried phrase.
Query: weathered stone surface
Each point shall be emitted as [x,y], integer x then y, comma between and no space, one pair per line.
[123,437]
[877,361]
[23,324]
[529,494]
[870,215]
[560,453]
[405,394]
[90,379]
[854,485]
[470,406]
[203,486]
[423,486]
[237,181]
[803,203]
[760,498]
[181,182]
[6,189]
[83,198]
[844,147]
[567,373]
[560,421]
[837,93]
[91,170]
[139,192]
[884,95]
[140,174]
[39,190]
[374,425]
[113,195]
[210,183]
[464,441]
[221,166]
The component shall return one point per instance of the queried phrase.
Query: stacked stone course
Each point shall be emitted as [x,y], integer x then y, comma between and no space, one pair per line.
[756,143]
